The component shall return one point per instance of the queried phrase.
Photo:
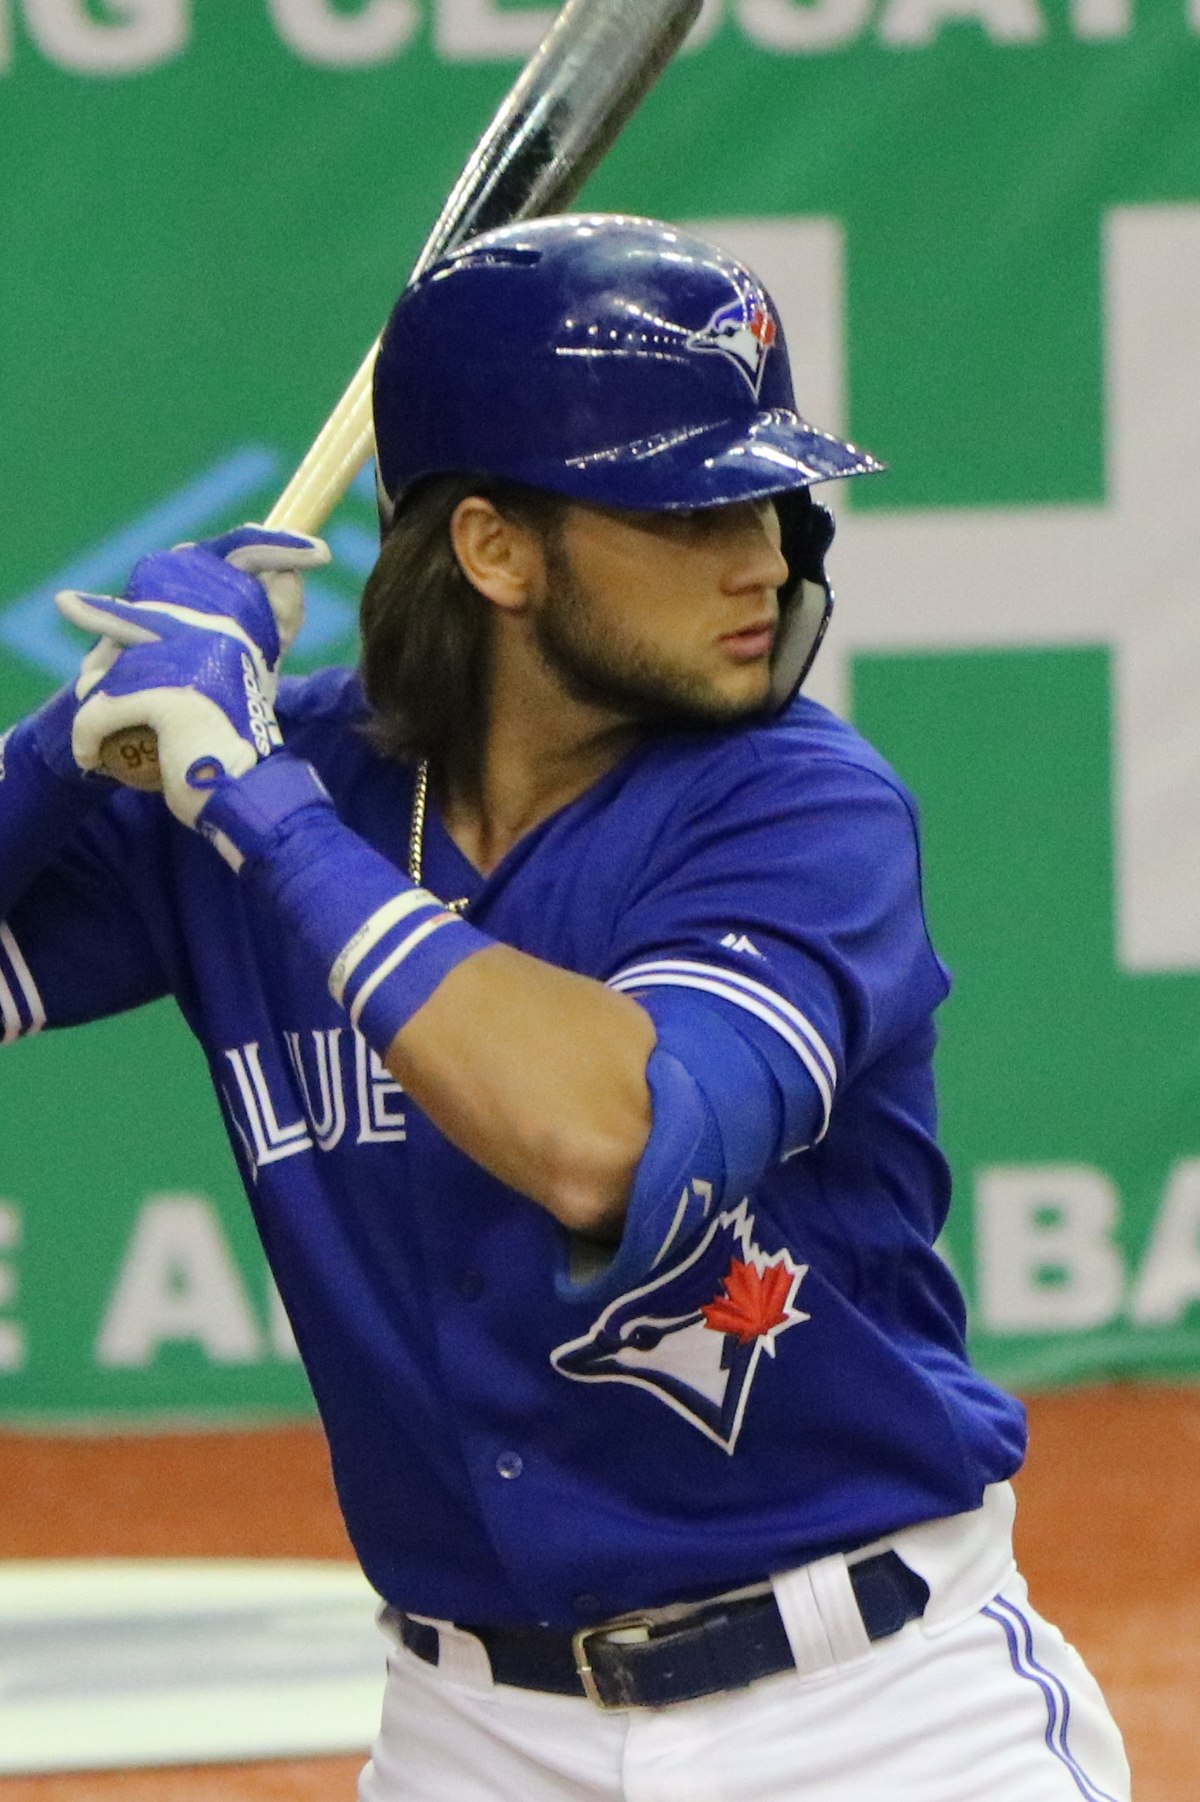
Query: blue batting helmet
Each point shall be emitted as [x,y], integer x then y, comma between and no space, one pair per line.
[617,361]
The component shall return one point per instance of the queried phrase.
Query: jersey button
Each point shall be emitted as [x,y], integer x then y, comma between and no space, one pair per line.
[587,1606]
[470,1285]
[510,1464]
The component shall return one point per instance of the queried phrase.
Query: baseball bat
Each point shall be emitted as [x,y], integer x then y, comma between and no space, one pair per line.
[591,72]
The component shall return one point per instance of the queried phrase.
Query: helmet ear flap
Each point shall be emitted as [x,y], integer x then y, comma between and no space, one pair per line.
[806,533]
[806,599]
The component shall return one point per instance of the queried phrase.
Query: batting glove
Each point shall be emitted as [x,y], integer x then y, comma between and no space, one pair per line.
[279,560]
[192,650]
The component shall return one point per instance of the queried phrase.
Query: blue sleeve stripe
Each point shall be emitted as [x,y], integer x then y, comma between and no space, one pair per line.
[17,986]
[395,958]
[736,979]
[754,998]
[371,932]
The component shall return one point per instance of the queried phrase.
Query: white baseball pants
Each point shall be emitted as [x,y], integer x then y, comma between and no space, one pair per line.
[981,1700]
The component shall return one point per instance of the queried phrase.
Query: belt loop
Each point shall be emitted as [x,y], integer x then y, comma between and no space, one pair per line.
[462,1658]
[820,1615]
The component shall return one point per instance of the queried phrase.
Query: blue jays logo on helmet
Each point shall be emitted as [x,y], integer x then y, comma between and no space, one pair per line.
[744,331]
[693,1337]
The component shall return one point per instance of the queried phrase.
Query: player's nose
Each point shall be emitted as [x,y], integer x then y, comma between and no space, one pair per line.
[755,558]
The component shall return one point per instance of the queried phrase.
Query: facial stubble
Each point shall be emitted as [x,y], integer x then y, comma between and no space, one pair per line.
[602,667]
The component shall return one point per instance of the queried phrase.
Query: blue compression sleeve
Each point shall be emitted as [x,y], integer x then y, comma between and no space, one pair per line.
[679,1173]
[766,1103]
[41,806]
[728,1102]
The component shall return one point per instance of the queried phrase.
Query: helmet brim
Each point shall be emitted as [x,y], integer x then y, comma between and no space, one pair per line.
[710,465]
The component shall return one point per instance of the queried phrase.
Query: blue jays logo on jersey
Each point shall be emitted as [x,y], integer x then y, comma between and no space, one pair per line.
[693,1336]
[742,330]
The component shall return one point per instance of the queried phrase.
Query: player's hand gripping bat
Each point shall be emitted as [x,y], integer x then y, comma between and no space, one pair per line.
[595,66]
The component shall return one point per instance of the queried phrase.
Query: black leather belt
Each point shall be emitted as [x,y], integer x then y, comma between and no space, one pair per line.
[639,1661]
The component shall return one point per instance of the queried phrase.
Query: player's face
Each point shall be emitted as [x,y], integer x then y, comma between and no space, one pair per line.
[664,618]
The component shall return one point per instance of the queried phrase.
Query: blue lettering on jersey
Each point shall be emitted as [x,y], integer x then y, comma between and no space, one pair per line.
[339,1082]
[694,1336]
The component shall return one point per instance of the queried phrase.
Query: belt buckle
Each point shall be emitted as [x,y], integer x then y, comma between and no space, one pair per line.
[640,1628]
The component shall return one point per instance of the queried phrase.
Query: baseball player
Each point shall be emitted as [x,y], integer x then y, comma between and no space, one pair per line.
[565,985]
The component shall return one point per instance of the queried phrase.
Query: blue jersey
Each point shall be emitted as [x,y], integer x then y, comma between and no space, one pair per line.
[513,1439]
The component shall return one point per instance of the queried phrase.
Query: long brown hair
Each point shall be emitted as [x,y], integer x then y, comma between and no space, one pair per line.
[425,636]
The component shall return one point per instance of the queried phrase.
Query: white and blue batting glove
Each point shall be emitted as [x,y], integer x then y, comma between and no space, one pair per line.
[280,561]
[192,650]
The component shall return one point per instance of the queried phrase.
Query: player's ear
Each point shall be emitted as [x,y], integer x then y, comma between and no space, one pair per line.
[498,555]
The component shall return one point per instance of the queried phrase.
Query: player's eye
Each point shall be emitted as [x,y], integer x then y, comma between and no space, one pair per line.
[712,522]
[685,524]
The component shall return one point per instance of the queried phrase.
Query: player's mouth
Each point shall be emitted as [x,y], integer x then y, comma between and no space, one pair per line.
[750,643]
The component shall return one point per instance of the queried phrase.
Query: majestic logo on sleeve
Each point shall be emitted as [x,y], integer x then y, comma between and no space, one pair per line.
[742,330]
[693,1337]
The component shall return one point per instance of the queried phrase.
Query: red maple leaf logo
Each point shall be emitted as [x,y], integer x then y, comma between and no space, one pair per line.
[762,327]
[754,1302]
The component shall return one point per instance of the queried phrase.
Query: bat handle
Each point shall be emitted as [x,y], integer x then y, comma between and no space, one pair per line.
[341,450]
[130,756]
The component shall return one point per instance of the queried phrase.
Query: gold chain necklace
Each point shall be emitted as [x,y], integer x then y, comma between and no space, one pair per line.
[416,836]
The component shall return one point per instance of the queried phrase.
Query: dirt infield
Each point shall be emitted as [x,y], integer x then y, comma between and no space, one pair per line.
[1108,1535]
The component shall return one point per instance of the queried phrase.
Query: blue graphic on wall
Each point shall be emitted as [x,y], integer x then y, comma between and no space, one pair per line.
[241,486]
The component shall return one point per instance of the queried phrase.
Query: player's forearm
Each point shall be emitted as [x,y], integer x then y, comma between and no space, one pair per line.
[562,1088]
[540,1076]
[536,1073]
